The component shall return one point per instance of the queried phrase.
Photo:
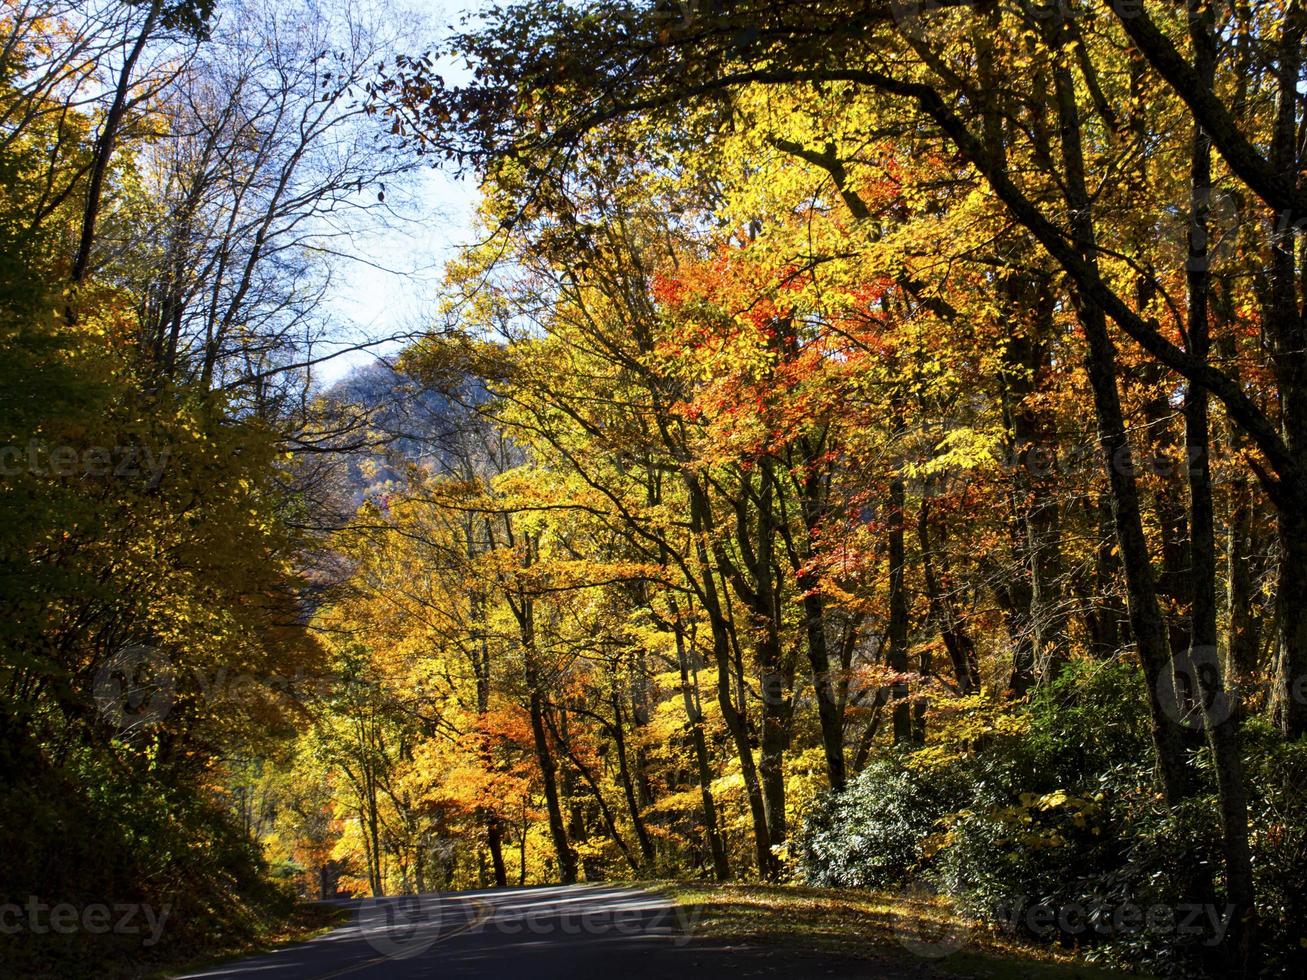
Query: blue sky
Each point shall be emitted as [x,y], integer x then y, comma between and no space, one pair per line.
[396,288]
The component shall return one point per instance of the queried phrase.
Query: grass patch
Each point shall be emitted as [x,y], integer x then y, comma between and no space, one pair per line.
[873,926]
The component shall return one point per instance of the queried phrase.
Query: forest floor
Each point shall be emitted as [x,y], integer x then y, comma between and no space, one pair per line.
[898,930]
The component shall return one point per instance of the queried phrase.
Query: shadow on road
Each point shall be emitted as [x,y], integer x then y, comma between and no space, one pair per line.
[570,932]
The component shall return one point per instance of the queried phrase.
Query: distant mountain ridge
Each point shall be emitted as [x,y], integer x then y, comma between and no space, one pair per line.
[406,423]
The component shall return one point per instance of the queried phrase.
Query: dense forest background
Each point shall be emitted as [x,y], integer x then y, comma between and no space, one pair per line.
[865,446]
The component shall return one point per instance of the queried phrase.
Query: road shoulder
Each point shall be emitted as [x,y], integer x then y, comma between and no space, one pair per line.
[909,935]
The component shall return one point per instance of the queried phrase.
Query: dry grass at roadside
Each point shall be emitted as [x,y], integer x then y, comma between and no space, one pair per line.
[872,925]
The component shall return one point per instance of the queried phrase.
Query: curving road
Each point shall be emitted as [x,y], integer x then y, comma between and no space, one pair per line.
[571,932]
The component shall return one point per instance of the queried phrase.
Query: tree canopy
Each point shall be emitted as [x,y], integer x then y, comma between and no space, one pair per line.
[865,446]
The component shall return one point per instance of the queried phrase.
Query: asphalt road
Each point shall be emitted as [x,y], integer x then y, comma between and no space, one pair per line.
[575,932]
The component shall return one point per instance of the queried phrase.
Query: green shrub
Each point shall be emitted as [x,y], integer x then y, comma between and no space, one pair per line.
[1277,776]
[1054,829]
[105,829]
[872,833]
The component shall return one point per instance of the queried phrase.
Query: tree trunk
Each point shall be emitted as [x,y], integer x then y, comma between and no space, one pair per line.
[548,776]
[736,723]
[1034,489]
[1289,691]
[605,812]
[1106,617]
[1145,617]
[952,630]
[703,765]
[760,592]
[1220,719]
[897,637]
[1241,620]
[829,713]
[105,143]
[495,841]
[829,696]
[771,767]
[628,785]
[1288,334]
[1146,621]
[480,658]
